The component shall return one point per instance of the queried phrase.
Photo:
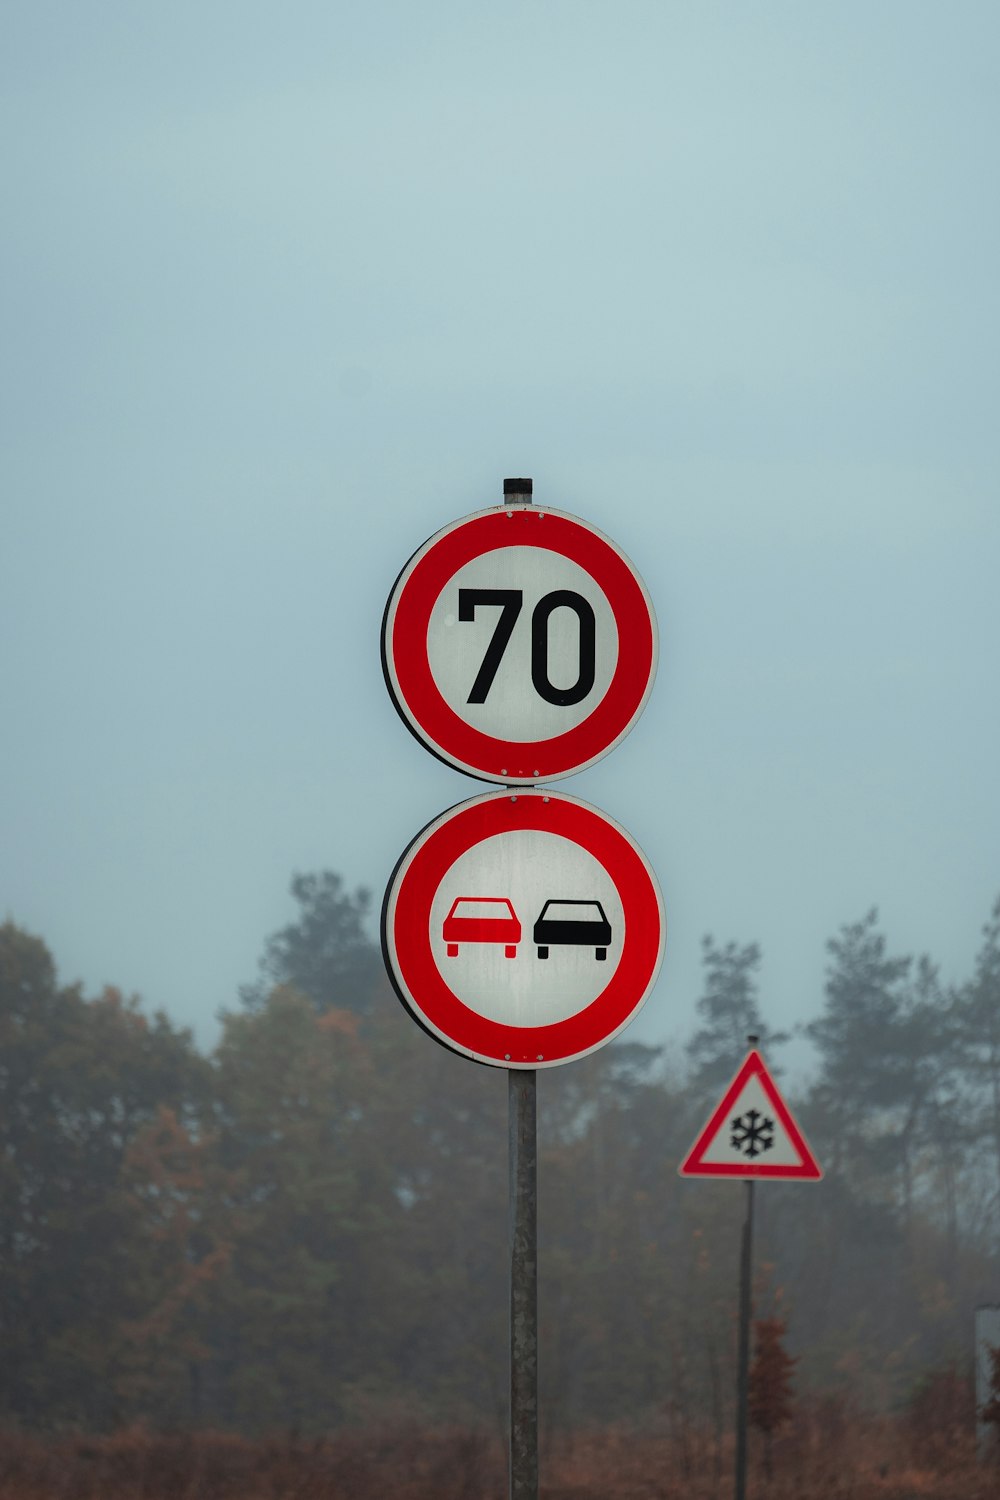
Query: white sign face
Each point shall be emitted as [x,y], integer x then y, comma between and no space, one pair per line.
[519,644]
[752,1133]
[523,930]
[535,871]
[516,585]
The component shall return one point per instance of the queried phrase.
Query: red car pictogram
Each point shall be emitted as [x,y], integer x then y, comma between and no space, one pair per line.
[482,919]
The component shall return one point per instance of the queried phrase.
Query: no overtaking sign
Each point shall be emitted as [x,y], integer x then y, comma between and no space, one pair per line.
[523,929]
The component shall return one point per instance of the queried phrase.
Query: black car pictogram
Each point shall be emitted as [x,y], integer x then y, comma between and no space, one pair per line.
[578,924]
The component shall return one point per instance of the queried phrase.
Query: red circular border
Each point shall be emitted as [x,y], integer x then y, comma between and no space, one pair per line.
[418,696]
[408,947]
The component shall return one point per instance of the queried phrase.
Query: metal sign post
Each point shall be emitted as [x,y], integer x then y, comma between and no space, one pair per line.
[743,1371]
[522,1123]
[523,928]
[750,1134]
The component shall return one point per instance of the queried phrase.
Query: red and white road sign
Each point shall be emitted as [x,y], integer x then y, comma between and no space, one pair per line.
[519,644]
[752,1133]
[523,929]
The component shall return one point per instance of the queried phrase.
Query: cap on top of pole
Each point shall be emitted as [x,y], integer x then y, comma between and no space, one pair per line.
[517,492]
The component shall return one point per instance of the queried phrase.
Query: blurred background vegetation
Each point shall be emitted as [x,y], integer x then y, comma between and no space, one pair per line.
[307,1228]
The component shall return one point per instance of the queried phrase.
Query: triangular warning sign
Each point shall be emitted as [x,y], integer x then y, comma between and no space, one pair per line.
[752,1133]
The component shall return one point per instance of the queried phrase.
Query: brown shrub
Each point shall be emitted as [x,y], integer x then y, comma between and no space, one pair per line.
[940,1419]
[828,1450]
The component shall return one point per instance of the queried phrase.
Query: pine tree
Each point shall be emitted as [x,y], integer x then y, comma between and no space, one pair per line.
[730,1011]
[858,1037]
[978,1017]
[327,955]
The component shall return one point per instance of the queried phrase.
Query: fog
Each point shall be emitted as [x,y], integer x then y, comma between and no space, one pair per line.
[284,295]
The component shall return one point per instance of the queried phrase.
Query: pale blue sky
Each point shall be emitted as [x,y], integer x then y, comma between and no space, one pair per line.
[285,290]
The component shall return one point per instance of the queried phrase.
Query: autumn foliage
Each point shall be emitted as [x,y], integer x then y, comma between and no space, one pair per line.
[769,1402]
[769,1391]
[305,1233]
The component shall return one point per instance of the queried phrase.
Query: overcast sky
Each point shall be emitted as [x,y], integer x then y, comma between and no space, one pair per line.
[285,290]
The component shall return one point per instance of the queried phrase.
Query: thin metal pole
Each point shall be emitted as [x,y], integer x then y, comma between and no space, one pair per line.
[522,1120]
[743,1372]
[522,1126]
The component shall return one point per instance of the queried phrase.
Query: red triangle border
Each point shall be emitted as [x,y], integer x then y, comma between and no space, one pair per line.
[693,1165]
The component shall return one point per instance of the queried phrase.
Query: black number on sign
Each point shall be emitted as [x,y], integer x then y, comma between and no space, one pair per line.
[510,601]
[563,599]
[510,607]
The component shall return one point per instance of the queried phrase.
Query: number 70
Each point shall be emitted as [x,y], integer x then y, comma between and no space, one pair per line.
[510,601]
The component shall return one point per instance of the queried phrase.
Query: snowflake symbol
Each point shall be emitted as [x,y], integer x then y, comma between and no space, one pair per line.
[752,1133]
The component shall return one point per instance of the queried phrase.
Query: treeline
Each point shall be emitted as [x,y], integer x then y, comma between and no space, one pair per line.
[308,1227]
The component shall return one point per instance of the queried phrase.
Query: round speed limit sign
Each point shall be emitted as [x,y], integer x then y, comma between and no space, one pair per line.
[519,644]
